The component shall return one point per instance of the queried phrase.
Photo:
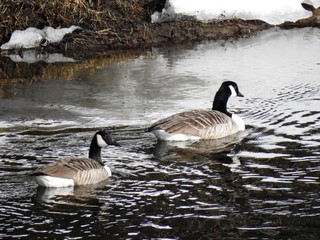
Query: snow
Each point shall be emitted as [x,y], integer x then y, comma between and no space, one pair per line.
[271,11]
[33,37]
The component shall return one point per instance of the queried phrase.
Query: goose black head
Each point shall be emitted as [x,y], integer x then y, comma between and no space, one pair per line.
[231,88]
[103,138]
[226,90]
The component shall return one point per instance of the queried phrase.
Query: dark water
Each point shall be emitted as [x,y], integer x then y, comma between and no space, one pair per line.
[263,184]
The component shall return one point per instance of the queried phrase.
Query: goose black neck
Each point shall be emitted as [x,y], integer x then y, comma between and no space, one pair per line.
[220,102]
[95,151]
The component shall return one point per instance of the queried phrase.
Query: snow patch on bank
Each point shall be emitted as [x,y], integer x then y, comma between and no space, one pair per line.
[271,11]
[33,37]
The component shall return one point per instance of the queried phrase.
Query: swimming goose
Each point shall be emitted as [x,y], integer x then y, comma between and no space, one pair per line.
[202,124]
[78,171]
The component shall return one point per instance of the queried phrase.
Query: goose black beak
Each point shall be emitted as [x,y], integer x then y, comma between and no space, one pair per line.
[115,143]
[240,94]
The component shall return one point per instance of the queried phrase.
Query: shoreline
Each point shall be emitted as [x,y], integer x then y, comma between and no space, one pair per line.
[111,30]
[122,25]
[114,25]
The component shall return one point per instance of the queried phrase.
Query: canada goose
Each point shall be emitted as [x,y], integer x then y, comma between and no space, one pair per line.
[202,124]
[78,171]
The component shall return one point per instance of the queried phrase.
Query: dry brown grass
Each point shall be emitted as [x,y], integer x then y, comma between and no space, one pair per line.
[20,14]
[89,14]
[130,8]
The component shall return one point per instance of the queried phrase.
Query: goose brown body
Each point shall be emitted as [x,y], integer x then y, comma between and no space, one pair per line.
[82,171]
[199,123]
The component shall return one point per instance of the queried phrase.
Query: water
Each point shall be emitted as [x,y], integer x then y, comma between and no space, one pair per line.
[263,184]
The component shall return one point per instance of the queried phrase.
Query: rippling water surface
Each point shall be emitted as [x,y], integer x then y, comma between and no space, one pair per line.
[262,184]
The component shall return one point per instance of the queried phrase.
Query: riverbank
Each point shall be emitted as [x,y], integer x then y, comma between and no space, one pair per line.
[110,31]
[113,25]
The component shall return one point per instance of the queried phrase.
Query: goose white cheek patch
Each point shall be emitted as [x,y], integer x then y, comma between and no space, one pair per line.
[101,142]
[233,91]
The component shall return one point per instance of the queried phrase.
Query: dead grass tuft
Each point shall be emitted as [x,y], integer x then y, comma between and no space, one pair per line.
[89,14]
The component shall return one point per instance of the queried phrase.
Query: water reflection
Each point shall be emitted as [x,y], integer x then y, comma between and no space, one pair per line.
[32,56]
[263,184]
[84,196]
[200,150]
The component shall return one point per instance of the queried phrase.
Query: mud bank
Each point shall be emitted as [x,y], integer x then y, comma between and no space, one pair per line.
[122,25]
[113,25]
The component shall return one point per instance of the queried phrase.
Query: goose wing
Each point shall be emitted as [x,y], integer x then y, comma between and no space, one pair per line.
[70,167]
[196,122]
